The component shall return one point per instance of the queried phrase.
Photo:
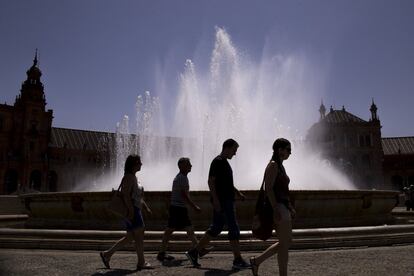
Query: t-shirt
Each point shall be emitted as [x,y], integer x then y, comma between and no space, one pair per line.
[180,186]
[223,174]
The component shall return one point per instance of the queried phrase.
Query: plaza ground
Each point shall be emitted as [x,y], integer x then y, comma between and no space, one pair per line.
[391,260]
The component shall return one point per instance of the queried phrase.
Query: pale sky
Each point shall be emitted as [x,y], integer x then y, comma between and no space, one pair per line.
[97,56]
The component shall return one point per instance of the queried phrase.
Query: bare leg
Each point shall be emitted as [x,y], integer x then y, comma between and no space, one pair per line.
[284,234]
[165,239]
[191,236]
[138,235]
[235,247]
[204,241]
[269,252]
[118,245]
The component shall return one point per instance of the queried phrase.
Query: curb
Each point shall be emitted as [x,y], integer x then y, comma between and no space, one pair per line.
[303,239]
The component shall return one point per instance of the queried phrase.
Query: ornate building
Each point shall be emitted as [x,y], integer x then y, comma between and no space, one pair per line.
[25,131]
[398,162]
[351,144]
[34,156]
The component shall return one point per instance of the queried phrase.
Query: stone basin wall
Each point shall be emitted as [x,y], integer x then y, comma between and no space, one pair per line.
[87,210]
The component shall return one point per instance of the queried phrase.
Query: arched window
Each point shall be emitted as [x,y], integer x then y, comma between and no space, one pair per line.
[36,180]
[10,180]
[397,182]
[53,180]
[366,161]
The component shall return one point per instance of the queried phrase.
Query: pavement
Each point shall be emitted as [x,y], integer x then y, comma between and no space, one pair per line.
[391,260]
[378,250]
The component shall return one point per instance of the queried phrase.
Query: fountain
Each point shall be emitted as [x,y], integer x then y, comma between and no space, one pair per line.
[236,98]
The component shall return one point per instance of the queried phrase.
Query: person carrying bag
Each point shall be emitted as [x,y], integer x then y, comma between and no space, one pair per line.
[276,190]
[262,226]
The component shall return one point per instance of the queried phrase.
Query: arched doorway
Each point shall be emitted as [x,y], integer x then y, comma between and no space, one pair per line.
[10,180]
[36,180]
[53,179]
[397,182]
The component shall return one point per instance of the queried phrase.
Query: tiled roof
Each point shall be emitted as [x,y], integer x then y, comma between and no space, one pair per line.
[342,116]
[398,145]
[77,139]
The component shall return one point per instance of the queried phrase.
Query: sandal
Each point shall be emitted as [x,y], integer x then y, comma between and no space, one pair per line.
[254,266]
[146,265]
[104,260]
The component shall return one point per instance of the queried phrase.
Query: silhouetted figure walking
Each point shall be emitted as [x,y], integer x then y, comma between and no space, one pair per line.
[133,197]
[220,183]
[178,213]
[277,191]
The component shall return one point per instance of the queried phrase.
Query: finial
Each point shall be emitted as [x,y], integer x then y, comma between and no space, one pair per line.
[35,59]
[322,110]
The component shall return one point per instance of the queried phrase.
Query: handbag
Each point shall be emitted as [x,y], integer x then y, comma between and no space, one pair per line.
[117,204]
[262,226]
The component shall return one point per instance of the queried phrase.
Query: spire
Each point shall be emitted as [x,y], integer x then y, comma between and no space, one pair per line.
[373,109]
[34,73]
[35,59]
[32,88]
[322,110]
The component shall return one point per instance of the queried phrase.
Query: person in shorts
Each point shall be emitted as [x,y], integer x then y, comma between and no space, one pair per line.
[133,195]
[178,212]
[223,192]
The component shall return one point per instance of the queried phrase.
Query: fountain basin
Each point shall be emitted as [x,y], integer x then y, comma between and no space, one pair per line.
[315,208]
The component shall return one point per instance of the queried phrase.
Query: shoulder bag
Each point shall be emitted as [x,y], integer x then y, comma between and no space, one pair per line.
[262,226]
[117,204]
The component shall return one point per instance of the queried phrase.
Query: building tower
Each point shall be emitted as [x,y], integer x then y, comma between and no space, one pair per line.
[31,132]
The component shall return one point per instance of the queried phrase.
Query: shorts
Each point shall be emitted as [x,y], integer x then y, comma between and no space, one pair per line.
[137,221]
[284,212]
[227,215]
[178,218]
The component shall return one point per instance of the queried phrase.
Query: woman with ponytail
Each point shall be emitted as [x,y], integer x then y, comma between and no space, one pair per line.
[277,190]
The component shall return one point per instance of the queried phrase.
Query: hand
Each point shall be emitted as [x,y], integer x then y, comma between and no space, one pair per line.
[148,210]
[197,209]
[292,213]
[241,196]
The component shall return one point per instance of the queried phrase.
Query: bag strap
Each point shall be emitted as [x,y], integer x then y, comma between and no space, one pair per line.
[263,181]
[120,186]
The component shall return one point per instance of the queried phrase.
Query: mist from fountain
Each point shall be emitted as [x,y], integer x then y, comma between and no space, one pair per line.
[254,104]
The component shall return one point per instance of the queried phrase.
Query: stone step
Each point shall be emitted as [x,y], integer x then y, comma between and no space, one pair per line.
[303,239]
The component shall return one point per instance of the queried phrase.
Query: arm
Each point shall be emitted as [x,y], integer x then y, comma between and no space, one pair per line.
[186,196]
[240,194]
[212,187]
[270,177]
[126,191]
[146,206]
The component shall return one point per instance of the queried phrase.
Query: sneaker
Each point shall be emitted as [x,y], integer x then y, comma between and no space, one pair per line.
[192,256]
[205,251]
[162,256]
[146,265]
[239,264]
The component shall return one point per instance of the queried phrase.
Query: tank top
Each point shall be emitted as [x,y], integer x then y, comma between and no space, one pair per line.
[137,190]
[281,186]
